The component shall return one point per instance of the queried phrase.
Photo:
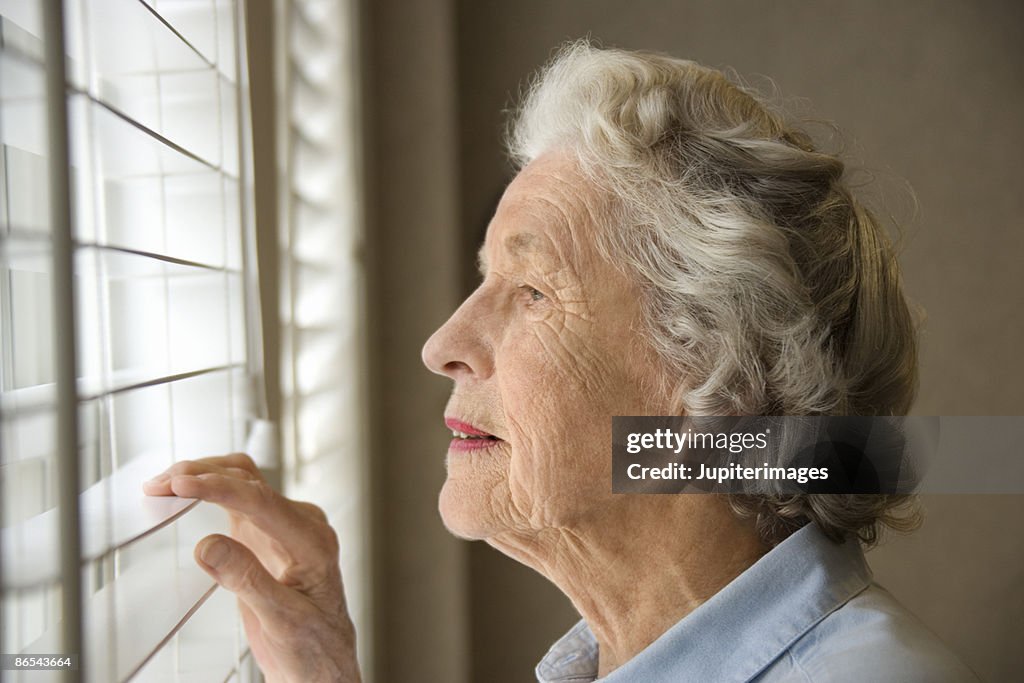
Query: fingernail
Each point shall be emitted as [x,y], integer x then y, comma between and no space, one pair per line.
[159,479]
[215,553]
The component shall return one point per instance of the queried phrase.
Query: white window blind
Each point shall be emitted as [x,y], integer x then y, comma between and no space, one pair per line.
[322,282]
[157,109]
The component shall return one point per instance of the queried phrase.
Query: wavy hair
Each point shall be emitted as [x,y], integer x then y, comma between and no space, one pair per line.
[768,288]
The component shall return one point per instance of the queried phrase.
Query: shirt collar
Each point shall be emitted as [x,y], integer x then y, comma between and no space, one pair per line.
[741,629]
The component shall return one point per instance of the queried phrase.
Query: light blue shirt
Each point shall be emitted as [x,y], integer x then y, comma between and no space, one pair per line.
[807,611]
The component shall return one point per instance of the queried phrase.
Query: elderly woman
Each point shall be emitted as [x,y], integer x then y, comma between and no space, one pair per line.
[670,246]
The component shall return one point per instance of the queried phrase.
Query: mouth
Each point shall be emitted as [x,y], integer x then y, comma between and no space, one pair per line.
[466,437]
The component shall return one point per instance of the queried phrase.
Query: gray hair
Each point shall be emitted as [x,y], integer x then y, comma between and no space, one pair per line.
[769,289]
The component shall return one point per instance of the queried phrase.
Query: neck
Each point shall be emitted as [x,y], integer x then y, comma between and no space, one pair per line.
[639,567]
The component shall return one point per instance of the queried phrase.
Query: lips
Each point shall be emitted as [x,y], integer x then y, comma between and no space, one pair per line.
[467,437]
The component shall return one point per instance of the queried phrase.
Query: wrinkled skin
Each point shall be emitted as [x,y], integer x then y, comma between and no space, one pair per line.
[546,349]
[281,562]
[542,354]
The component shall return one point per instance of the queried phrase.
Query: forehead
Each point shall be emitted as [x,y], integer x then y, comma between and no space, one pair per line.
[547,214]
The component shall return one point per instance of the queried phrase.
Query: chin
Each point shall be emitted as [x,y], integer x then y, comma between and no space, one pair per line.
[465,511]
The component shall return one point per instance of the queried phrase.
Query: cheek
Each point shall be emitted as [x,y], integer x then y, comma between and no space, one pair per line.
[556,376]
[560,387]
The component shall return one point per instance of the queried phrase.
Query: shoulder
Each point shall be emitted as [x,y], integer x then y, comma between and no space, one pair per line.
[872,637]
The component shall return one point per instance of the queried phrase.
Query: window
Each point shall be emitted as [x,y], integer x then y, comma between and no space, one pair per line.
[321,283]
[160,202]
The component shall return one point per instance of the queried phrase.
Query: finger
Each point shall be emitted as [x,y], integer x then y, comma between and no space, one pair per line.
[251,498]
[240,460]
[160,485]
[235,568]
[281,519]
[299,529]
[313,511]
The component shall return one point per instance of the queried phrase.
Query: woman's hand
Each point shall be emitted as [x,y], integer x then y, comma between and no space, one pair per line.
[281,562]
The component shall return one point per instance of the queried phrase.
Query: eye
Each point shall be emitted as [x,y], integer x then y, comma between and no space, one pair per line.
[533,293]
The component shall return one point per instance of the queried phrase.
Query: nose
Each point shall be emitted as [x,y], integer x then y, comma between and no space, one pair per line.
[459,349]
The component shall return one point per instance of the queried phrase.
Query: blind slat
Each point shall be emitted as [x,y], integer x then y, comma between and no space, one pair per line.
[129,381]
[114,513]
[205,648]
[132,618]
[151,135]
[129,36]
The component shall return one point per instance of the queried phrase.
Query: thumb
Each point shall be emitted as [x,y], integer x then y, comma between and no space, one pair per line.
[236,569]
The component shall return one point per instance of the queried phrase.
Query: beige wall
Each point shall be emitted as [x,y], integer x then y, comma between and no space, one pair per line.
[413,285]
[932,93]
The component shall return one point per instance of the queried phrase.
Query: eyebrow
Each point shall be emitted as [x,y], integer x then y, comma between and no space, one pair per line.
[516,244]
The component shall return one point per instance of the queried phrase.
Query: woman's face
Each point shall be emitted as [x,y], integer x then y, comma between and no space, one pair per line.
[546,350]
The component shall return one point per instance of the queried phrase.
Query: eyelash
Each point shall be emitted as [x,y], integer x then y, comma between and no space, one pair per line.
[535,294]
